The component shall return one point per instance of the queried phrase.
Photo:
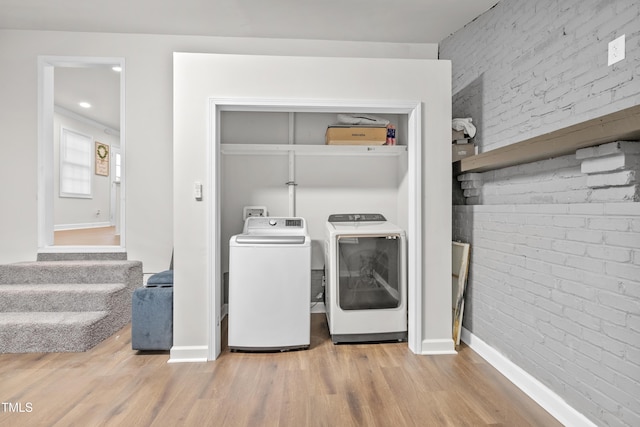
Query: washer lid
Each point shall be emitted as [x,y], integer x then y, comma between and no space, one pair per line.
[356,218]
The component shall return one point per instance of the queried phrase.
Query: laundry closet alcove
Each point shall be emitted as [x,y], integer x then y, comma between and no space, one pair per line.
[250,129]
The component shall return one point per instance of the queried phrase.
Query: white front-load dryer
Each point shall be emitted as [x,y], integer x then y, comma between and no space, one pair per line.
[366,279]
[270,285]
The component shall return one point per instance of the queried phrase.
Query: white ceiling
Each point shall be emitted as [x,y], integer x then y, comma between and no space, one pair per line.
[99,86]
[394,21]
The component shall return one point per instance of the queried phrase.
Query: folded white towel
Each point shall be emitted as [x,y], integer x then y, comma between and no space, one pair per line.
[464,124]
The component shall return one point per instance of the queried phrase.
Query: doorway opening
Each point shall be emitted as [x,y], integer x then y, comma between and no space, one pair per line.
[411,189]
[81,154]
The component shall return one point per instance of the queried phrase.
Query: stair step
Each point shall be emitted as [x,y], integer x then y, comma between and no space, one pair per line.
[61,297]
[64,305]
[75,256]
[106,271]
[38,332]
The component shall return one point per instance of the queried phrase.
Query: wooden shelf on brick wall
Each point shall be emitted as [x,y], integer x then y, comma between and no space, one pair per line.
[618,126]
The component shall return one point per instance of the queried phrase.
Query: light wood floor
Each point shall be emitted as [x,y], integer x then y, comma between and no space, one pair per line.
[100,236]
[327,385]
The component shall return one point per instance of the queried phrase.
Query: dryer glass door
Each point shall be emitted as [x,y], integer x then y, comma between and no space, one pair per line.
[369,272]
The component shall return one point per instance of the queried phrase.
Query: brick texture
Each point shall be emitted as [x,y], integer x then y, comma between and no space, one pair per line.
[525,68]
[605,173]
[556,289]
[554,280]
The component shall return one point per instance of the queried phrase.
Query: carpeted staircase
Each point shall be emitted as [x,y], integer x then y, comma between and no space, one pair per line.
[66,305]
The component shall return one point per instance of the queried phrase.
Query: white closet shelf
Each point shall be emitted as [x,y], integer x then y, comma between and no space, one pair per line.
[313,150]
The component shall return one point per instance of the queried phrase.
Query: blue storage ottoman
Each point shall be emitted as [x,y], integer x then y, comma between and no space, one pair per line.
[152,317]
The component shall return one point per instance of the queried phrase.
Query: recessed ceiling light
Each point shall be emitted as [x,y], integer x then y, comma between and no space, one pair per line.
[84,104]
[116,68]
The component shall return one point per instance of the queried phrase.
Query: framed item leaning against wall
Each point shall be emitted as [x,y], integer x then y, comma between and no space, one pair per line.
[459,273]
[102,159]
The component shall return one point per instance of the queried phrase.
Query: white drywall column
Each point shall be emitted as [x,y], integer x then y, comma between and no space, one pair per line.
[200,77]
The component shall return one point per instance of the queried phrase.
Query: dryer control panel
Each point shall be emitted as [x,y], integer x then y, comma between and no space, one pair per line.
[356,217]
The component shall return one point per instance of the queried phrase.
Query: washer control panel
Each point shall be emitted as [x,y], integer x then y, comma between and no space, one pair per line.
[262,224]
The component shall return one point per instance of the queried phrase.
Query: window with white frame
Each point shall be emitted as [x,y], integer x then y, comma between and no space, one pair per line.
[76,164]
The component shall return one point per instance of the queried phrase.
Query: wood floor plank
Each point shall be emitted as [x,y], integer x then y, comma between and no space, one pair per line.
[101,236]
[326,385]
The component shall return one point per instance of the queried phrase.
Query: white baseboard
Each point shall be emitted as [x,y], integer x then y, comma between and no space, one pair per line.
[189,354]
[533,388]
[434,347]
[318,307]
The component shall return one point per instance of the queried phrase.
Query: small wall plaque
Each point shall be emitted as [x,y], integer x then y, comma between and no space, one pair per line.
[102,159]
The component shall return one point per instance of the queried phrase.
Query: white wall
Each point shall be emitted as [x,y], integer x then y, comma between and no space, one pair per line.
[199,77]
[149,128]
[72,212]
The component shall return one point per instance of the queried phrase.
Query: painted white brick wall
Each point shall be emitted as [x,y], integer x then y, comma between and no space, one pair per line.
[604,173]
[525,68]
[554,281]
[556,289]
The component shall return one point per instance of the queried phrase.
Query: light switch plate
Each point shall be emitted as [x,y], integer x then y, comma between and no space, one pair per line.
[616,50]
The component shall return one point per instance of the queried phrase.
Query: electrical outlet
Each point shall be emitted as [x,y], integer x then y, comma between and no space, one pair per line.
[248,211]
[616,50]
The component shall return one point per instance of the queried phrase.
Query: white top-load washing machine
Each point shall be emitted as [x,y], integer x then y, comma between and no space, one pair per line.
[270,285]
[366,279]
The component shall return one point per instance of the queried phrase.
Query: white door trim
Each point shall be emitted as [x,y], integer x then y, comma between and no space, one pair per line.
[46,65]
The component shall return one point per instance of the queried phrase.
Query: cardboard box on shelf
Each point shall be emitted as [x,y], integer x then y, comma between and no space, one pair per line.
[457,134]
[352,135]
[460,151]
